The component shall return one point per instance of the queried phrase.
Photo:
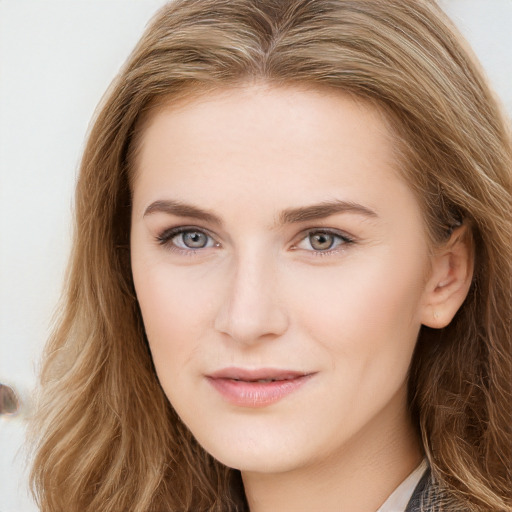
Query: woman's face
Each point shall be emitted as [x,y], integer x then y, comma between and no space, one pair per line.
[280,265]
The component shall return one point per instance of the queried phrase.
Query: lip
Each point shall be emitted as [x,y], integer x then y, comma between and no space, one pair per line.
[256,388]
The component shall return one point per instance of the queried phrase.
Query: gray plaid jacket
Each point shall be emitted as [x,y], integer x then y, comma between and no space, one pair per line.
[426,497]
[422,498]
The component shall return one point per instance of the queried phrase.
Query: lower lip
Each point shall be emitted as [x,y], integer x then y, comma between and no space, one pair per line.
[256,394]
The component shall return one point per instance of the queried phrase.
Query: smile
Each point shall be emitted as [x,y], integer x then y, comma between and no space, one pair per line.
[256,388]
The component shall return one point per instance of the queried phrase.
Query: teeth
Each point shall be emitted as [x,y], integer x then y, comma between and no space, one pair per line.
[266,380]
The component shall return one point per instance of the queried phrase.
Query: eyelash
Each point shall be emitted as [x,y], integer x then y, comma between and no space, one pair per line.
[165,239]
[344,240]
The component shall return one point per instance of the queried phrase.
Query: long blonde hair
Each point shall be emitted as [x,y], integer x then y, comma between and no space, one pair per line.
[107,438]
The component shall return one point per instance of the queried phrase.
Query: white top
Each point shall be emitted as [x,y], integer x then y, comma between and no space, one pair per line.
[400,497]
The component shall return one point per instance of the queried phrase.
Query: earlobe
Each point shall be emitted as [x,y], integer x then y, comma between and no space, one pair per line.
[449,281]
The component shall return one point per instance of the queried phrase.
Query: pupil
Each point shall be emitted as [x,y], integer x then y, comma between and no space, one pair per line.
[194,239]
[321,241]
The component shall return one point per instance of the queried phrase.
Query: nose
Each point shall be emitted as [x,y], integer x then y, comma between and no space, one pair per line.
[251,310]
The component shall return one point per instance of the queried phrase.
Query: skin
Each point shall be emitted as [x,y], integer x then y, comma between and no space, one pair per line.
[261,294]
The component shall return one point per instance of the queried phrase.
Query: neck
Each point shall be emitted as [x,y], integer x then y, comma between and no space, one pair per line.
[357,478]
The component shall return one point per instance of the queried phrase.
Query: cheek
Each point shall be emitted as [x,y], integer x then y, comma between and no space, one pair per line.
[365,309]
[176,308]
[364,319]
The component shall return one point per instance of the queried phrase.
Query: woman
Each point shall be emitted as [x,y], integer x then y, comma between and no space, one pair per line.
[337,340]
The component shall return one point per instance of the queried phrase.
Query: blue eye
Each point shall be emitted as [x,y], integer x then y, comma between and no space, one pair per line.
[186,239]
[323,241]
[191,240]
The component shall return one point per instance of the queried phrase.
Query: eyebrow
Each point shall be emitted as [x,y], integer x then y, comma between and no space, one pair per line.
[323,210]
[182,210]
[288,216]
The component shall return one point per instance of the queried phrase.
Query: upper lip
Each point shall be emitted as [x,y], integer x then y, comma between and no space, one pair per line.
[251,375]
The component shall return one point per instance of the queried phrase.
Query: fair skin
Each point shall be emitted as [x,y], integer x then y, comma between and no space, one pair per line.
[273,238]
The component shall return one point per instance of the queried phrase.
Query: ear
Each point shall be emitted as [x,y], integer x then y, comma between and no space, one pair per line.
[449,281]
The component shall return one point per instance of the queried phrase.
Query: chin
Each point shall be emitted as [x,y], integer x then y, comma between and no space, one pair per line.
[256,460]
[265,450]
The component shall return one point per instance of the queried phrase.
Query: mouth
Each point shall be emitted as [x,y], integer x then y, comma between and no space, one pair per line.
[256,388]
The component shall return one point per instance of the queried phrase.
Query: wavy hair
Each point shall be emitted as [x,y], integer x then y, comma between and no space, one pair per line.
[106,437]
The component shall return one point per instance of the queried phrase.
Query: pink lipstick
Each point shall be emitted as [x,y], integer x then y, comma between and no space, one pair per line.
[256,388]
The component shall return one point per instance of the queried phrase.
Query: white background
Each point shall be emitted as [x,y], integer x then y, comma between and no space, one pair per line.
[56,59]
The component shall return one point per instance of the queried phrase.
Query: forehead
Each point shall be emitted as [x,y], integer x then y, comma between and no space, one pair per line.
[257,140]
[274,102]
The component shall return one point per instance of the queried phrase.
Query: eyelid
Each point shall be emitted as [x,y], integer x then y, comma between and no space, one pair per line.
[346,239]
[164,238]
